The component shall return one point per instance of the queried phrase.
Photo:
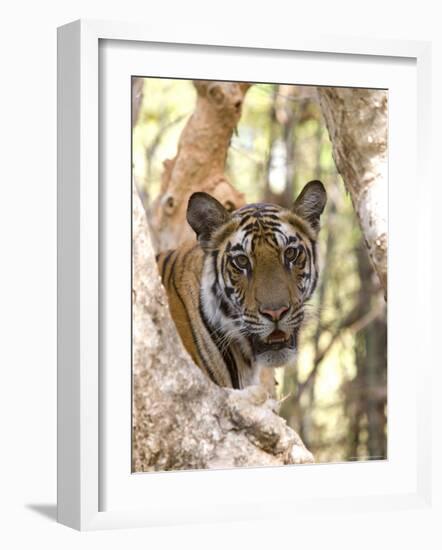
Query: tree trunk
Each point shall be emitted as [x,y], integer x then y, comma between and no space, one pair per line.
[181,420]
[199,164]
[357,124]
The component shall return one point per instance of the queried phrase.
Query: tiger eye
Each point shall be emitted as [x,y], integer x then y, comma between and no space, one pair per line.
[241,261]
[291,254]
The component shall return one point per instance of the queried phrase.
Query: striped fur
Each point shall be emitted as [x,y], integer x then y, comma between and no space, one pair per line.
[237,296]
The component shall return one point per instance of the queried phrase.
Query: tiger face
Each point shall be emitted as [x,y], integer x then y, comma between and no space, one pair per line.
[259,269]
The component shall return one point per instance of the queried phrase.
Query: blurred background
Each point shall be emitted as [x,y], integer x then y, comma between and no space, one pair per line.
[335,397]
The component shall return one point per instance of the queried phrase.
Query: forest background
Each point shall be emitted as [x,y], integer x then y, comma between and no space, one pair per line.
[335,397]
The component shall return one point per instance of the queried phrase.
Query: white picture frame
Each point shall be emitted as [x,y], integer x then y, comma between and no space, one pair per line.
[80,438]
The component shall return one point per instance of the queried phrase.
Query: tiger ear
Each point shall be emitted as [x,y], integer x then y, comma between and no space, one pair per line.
[311,203]
[205,214]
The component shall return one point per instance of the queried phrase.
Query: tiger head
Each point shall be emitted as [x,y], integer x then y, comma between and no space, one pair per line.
[259,270]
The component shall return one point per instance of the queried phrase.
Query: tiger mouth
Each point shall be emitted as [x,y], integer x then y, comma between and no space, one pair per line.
[275,341]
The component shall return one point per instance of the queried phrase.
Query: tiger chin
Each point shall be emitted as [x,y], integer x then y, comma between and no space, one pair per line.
[237,295]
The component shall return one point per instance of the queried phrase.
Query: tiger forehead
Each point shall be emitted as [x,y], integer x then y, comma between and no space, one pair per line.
[260,224]
[265,217]
[258,218]
[258,215]
[262,227]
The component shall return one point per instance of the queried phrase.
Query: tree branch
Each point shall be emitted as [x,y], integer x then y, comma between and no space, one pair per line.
[199,164]
[357,122]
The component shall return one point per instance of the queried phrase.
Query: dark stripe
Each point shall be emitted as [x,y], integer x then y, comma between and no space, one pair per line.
[232,368]
[301,260]
[224,307]
[216,270]
[314,252]
[250,227]
[229,291]
[272,241]
[165,262]
[270,224]
[299,316]
[269,214]
[273,230]
[244,220]
[216,337]
[209,371]
[172,270]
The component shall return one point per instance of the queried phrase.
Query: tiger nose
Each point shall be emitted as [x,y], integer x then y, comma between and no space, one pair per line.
[274,314]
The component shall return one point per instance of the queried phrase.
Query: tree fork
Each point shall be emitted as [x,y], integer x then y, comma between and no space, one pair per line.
[199,164]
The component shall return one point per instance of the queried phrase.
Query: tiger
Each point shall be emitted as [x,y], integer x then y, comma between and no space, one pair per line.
[237,293]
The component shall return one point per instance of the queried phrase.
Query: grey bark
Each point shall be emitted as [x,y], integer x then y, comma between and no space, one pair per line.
[357,122]
[181,420]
